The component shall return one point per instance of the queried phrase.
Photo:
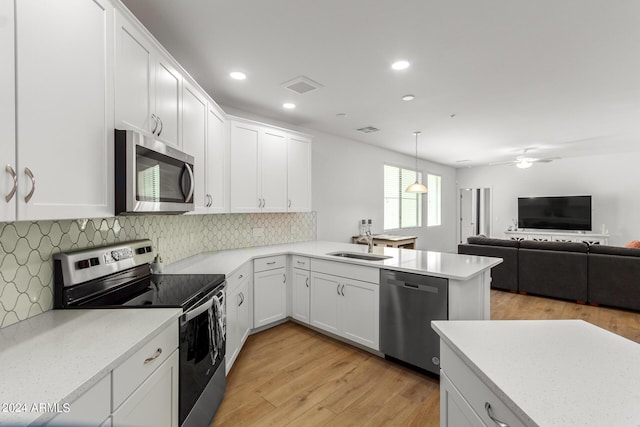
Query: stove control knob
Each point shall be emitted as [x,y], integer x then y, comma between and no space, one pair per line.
[115,255]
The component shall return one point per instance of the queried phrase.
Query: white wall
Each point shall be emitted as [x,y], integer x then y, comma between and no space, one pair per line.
[612,180]
[348,185]
[340,207]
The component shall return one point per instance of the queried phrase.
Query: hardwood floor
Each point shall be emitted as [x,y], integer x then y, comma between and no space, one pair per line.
[292,376]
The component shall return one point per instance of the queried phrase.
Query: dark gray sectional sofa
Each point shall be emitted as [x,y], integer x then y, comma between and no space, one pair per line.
[596,274]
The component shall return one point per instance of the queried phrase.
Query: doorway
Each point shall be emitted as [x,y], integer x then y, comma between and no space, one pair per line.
[475,212]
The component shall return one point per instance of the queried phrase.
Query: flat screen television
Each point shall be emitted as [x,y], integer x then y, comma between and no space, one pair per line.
[555,213]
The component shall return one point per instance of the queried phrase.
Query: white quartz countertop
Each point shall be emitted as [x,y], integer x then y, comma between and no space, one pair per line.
[55,357]
[553,372]
[439,264]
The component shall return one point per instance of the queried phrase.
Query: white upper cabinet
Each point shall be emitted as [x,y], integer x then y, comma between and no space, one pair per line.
[217,160]
[299,174]
[269,169]
[64,64]
[244,161]
[194,141]
[148,85]
[7,114]
[273,170]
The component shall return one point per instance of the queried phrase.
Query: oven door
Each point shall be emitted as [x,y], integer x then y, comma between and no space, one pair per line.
[152,176]
[202,354]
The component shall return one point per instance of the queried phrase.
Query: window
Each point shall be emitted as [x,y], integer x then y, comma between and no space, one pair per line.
[401,210]
[434,200]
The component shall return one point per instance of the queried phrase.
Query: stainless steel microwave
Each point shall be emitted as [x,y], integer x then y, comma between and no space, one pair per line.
[151,176]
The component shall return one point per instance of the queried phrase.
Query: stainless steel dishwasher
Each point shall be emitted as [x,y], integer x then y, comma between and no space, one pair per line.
[408,304]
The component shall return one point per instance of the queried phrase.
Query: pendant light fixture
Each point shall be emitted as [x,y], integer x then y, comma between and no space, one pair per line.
[416,187]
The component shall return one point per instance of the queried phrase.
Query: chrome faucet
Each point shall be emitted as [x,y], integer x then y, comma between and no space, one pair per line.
[368,238]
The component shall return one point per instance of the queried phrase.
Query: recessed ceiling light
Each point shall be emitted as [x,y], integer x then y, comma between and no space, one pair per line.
[289,105]
[238,75]
[341,115]
[400,65]
[408,97]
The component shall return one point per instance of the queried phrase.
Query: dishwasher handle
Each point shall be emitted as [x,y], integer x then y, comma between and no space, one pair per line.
[416,286]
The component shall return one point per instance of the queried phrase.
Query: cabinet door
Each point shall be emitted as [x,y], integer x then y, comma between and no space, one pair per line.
[7,111]
[244,168]
[135,71]
[244,312]
[155,402]
[238,320]
[454,410]
[299,174]
[64,108]
[217,160]
[233,330]
[273,171]
[167,100]
[324,302]
[360,312]
[301,284]
[270,299]
[194,141]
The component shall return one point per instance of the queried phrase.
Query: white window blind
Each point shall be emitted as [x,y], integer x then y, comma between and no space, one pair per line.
[401,210]
[434,200]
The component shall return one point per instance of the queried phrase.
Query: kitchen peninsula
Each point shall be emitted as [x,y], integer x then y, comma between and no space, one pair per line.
[328,287]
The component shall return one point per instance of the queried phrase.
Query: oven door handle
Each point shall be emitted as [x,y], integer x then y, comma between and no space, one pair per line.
[189,315]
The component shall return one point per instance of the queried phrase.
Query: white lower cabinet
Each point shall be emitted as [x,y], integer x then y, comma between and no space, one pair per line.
[269,290]
[141,391]
[465,400]
[155,402]
[343,305]
[238,313]
[301,289]
[92,408]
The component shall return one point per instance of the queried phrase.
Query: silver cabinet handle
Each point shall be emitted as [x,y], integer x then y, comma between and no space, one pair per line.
[11,172]
[301,262]
[259,203]
[285,278]
[289,202]
[499,423]
[211,202]
[192,183]
[241,295]
[240,276]
[307,282]
[154,357]
[264,203]
[338,289]
[161,125]
[342,290]
[28,172]
[155,119]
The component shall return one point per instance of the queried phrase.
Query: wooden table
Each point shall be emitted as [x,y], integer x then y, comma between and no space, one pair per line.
[390,240]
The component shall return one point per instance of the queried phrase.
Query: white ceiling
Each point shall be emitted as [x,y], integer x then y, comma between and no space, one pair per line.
[561,77]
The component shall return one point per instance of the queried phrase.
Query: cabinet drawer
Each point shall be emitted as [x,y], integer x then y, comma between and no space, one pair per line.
[238,276]
[269,263]
[301,262]
[132,372]
[343,269]
[475,392]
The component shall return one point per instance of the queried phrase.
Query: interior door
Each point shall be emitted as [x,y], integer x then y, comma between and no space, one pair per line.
[467,214]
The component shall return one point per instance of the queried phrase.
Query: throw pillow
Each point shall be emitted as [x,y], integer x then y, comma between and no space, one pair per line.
[634,244]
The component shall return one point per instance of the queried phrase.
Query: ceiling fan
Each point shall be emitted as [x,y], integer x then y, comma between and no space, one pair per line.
[523,161]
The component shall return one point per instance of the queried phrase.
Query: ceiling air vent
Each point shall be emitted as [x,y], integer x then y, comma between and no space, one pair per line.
[301,85]
[368,129]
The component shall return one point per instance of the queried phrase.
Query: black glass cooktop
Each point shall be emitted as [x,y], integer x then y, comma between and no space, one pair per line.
[175,290]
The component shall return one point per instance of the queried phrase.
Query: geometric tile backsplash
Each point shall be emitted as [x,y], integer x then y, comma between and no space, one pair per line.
[26,268]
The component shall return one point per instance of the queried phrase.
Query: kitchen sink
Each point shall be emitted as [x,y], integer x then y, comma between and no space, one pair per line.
[359,255]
